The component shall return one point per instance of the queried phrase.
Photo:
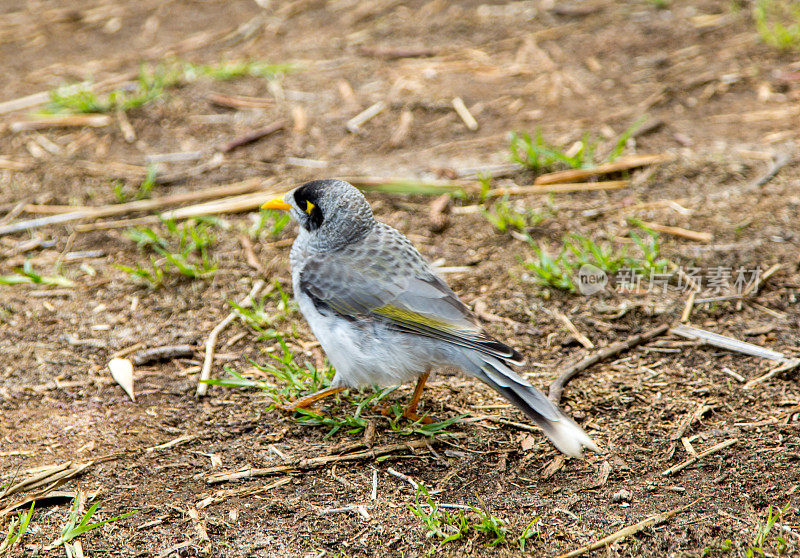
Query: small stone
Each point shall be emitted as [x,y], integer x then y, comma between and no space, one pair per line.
[621,496]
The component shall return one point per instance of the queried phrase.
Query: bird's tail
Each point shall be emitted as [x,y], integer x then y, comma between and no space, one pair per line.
[565,434]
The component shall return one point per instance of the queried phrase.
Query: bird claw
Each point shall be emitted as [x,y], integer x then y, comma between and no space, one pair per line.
[385,410]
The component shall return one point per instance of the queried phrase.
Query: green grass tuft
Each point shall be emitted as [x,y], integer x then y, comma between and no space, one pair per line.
[271,221]
[560,271]
[438,523]
[73,529]
[153,83]
[493,527]
[17,528]
[540,156]
[27,275]
[506,216]
[778,23]
[184,251]
[765,540]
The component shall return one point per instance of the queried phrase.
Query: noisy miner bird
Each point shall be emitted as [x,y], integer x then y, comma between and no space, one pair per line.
[384,318]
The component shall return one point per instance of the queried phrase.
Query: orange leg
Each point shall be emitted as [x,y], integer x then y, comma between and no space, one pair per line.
[309,400]
[411,410]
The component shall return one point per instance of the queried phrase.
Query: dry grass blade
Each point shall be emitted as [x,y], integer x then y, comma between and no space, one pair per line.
[626,532]
[621,164]
[48,493]
[725,342]
[48,475]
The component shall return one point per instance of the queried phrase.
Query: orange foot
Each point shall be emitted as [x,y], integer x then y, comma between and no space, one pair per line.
[308,400]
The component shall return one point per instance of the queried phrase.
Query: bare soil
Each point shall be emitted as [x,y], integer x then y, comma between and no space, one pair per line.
[715,96]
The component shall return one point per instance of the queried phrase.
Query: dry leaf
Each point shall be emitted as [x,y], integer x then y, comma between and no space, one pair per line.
[527,442]
[122,372]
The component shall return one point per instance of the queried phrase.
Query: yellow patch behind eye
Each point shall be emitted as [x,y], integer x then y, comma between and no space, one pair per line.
[309,207]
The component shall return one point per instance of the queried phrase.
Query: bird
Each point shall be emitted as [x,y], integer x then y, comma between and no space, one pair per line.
[383,316]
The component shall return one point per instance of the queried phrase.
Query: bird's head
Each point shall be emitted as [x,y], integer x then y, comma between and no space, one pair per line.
[333,212]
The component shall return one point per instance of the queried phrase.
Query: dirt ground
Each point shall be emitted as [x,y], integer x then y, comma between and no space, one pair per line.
[716,97]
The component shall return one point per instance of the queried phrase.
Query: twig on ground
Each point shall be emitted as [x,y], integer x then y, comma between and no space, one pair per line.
[677,231]
[43,97]
[403,128]
[395,53]
[736,376]
[8,164]
[172,443]
[84,212]
[626,532]
[250,137]
[221,495]
[695,458]
[214,162]
[13,212]
[250,255]
[165,352]
[125,127]
[52,475]
[560,188]
[581,338]
[621,164]
[360,510]
[553,467]
[211,342]
[785,367]
[240,101]
[557,386]
[354,124]
[175,157]
[780,161]
[697,415]
[687,309]
[74,120]
[233,204]
[753,287]
[316,462]
[198,524]
[438,213]
[395,473]
[464,114]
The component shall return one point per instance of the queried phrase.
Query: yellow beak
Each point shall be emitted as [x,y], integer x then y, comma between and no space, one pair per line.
[277,203]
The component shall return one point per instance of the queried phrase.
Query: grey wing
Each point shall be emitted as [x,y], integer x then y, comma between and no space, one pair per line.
[389,281]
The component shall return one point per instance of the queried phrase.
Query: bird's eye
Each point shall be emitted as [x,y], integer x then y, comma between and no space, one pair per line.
[309,207]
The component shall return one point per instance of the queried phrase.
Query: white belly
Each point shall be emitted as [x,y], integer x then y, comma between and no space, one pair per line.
[366,355]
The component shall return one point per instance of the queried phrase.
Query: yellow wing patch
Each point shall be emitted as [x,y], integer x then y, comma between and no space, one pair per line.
[407,316]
